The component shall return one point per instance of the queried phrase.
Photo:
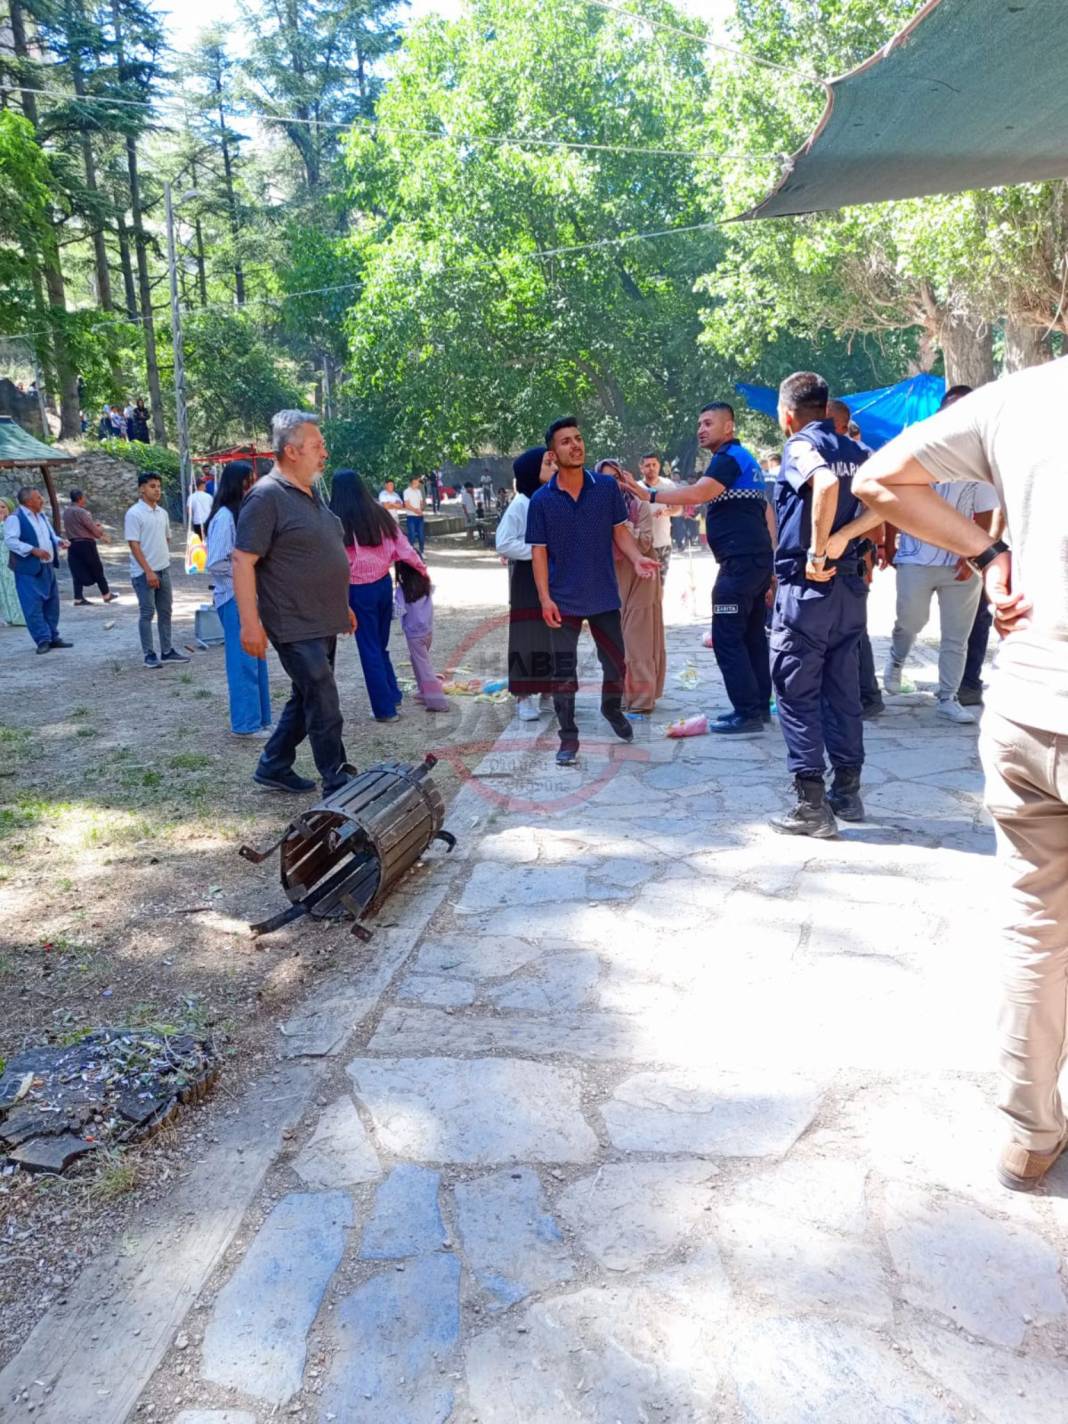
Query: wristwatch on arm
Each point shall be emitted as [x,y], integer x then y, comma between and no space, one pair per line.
[980,561]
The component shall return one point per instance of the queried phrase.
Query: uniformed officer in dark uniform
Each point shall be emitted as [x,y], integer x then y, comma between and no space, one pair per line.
[820,610]
[737,524]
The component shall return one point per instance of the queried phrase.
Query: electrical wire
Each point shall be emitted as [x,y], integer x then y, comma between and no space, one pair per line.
[710,43]
[537,255]
[376,126]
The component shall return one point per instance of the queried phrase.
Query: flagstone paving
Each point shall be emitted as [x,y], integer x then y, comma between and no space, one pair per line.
[660,1118]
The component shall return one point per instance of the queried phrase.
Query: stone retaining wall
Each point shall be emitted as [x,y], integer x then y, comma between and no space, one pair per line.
[110,485]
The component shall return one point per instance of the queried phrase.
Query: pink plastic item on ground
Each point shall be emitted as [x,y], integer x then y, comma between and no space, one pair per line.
[689,727]
[706,641]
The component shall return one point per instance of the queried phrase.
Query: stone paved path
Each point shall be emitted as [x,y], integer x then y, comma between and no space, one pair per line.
[661,1118]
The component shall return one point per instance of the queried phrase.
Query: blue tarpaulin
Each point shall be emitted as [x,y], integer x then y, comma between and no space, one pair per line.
[881,414]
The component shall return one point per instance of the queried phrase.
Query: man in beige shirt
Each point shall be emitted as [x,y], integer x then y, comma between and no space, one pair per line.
[1006,435]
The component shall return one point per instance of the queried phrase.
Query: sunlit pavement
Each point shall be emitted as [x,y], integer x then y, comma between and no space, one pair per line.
[663,1116]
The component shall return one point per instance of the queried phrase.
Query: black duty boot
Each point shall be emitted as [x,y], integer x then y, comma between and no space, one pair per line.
[812,816]
[844,794]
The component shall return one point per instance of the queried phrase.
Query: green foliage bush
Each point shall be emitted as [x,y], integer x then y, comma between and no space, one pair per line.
[157,458]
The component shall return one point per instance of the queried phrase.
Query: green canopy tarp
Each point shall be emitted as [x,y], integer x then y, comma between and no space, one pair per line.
[18,447]
[19,450]
[971,94]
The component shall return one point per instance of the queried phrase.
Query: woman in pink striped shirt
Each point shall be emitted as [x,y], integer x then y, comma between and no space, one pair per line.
[374,543]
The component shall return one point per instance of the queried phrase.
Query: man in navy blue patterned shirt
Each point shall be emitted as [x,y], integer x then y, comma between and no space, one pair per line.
[820,610]
[573,525]
[739,535]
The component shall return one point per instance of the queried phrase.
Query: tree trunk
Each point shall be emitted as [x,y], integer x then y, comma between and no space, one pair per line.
[926,353]
[968,348]
[144,282]
[126,263]
[231,198]
[1025,345]
[66,376]
[100,252]
[198,234]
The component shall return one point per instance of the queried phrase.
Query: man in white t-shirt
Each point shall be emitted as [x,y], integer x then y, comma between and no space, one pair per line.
[416,523]
[390,498]
[148,530]
[470,508]
[1006,435]
[200,503]
[924,569]
[649,468]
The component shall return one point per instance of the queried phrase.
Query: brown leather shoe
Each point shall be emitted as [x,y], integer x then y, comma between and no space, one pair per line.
[1021,1170]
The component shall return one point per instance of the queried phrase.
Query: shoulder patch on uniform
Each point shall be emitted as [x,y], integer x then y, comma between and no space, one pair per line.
[806,458]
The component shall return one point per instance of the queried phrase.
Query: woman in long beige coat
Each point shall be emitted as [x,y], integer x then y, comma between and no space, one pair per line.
[643,612]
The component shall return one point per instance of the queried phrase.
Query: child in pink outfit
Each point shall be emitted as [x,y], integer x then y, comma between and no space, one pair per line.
[416,613]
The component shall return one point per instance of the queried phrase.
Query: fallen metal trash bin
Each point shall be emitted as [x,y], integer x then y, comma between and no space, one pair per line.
[347,853]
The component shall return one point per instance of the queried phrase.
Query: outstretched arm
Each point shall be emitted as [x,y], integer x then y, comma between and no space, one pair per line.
[627,545]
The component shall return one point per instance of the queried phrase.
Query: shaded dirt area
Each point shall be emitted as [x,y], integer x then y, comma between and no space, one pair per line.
[123,802]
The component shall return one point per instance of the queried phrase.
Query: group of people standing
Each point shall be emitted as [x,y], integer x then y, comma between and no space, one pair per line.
[129,422]
[298,571]
[584,545]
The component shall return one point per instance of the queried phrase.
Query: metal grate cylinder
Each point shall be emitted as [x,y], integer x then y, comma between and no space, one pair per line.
[346,854]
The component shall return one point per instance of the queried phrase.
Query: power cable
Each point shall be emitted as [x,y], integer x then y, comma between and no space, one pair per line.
[536,255]
[374,126]
[710,43]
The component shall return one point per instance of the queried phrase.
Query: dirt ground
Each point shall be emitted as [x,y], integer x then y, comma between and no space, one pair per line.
[123,802]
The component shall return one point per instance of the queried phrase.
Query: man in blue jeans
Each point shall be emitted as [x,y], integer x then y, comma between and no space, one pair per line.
[414,503]
[291,582]
[32,556]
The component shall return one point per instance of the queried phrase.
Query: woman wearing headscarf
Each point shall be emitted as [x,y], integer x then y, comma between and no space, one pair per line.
[10,608]
[643,611]
[529,653]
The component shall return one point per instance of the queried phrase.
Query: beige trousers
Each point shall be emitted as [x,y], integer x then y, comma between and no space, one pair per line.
[1027,795]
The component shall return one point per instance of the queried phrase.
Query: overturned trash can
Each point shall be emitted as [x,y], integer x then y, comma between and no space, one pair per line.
[344,855]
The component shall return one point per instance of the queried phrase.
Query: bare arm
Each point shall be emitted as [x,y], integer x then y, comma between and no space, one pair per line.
[627,545]
[903,491]
[539,557]
[253,633]
[150,573]
[769,519]
[864,523]
[700,492]
[824,506]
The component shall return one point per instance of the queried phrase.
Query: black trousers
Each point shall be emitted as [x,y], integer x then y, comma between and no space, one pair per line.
[530,658]
[977,644]
[738,637]
[313,711]
[870,691]
[85,567]
[607,632]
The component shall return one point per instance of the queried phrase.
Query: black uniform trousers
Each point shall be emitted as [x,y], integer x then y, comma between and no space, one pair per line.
[815,670]
[738,637]
[607,632]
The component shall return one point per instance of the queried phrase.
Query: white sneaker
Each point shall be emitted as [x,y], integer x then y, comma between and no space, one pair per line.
[950,708]
[527,708]
[892,676]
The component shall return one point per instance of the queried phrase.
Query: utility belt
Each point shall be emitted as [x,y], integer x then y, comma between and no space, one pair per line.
[858,568]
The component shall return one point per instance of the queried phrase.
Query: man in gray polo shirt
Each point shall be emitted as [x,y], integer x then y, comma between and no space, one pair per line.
[291,582]
[1006,435]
